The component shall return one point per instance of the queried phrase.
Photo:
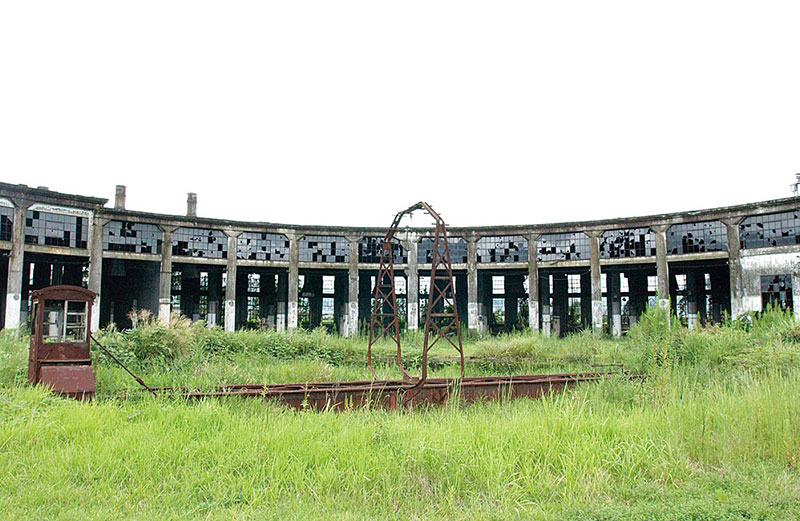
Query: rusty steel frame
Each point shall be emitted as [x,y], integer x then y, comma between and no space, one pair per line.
[441,325]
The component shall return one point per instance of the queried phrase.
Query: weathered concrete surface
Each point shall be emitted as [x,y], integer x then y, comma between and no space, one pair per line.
[15,263]
[754,266]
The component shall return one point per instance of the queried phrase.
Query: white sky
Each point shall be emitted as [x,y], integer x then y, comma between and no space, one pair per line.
[342,112]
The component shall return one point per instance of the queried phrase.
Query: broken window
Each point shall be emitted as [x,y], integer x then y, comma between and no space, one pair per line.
[56,229]
[200,242]
[131,237]
[177,280]
[563,246]
[399,285]
[774,229]
[652,283]
[369,250]
[456,245]
[424,285]
[253,308]
[631,242]
[507,248]
[176,287]
[776,292]
[253,282]
[262,246]
[321,248]
[6,223]
[697,237]
[499,310]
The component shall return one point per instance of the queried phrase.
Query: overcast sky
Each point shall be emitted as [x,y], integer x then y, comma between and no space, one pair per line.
[342,112]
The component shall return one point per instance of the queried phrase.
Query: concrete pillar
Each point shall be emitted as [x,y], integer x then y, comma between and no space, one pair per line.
[473,316]
[95,244]
[352,288]
[294,273]
[533,282]
[230,287]
[596,280]
[544,295]
[283,282]
[165,277]
[15,268]
[662,268]
[119,198]
[614,303]
[735,266]
[412,284]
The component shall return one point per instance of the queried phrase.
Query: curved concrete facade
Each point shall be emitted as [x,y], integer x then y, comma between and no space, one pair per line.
[558,277]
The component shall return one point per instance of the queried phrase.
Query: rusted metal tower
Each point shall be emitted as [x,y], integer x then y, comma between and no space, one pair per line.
[441,318]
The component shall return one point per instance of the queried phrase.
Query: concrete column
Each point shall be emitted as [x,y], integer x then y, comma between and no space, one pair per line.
[735,266]
[533,282]
[282,292]
[95,245]
[544,295]
[352,288]
[165,278]
[15,267]
[473,318]
[230,287]
[596,280]
[412,285]
[614,303]
[662,268]
[294,273]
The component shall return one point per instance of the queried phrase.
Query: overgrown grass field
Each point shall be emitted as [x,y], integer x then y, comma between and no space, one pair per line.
[712,433]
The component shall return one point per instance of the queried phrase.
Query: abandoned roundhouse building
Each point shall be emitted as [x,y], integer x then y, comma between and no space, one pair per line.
[559,278]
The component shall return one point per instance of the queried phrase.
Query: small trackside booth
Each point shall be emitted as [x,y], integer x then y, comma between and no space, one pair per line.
[60,336]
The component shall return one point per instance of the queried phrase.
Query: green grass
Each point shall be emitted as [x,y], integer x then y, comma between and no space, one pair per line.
[714,433]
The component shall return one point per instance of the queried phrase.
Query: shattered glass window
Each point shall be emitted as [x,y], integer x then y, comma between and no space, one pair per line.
[697,237]
[6,223]
[131,237]
[369,250]
[323,248]
[456,245]
[55,229]
[776,292]
[506,248]
[563,246]
[774,229]
[262,246]
[631,242]
[200,242]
